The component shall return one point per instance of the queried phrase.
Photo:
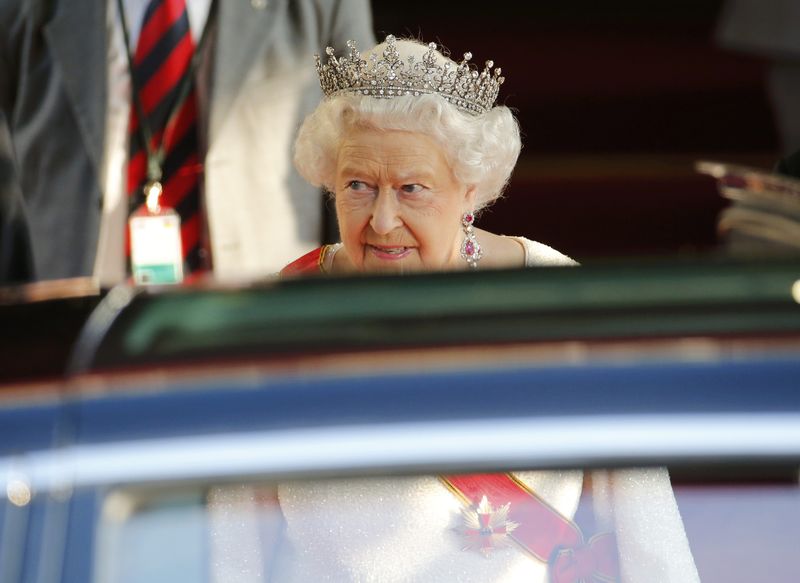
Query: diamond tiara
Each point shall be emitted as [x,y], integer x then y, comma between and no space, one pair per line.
[389,76]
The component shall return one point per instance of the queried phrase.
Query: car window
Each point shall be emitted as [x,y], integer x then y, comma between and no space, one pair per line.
[422,528]
[156,535]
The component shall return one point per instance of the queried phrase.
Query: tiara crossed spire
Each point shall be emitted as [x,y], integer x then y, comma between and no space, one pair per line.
[389,76]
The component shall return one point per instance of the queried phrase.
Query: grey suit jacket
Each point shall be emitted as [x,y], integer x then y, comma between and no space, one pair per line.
[16,263]
[53,92]
[769,28]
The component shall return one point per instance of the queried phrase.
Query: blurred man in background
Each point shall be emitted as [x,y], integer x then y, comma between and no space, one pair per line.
[69,132]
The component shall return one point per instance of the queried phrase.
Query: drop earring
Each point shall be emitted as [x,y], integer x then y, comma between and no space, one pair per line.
[471,251]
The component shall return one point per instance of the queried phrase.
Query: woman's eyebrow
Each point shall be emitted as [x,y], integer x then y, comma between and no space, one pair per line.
[359,170]
[422,173]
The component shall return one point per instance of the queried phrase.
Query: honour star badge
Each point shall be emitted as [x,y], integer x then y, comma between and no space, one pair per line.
[486,528]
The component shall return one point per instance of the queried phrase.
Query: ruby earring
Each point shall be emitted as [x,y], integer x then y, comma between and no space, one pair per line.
[471,251]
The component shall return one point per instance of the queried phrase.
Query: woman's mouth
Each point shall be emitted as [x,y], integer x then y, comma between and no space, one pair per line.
[389,253]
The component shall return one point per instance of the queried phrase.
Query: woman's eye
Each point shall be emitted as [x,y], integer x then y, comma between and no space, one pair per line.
[412,188]
[357,185]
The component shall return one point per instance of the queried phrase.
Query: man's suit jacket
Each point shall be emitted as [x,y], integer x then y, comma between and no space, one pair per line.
[260,84]
[16,263]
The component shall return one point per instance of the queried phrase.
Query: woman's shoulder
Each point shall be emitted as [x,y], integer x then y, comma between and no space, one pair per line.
[306,265]
[539,254]
[314,262]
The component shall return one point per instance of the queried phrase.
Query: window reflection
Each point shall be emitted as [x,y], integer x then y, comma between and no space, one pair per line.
[420,528]
[743,532]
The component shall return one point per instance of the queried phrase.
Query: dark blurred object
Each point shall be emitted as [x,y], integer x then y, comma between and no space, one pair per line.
[789,166]
[769,29]
[764,217]
[39,324]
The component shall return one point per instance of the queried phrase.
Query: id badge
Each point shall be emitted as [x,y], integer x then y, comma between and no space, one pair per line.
[156,251]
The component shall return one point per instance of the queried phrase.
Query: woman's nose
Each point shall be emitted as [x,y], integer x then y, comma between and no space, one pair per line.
[385,213]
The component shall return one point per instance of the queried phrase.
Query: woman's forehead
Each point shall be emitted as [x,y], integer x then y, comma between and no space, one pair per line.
[392,148]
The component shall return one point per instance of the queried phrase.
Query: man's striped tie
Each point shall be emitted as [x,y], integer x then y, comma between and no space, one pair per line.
[162,59]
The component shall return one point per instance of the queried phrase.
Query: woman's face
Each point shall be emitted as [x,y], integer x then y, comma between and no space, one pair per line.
[398,203]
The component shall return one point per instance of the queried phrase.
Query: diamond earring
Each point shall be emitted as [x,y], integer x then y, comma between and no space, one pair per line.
[471,251]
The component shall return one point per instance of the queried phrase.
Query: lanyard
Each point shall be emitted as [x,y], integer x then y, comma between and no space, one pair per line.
[156,153]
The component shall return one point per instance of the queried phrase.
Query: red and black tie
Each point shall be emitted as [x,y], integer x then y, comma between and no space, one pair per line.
[162,60]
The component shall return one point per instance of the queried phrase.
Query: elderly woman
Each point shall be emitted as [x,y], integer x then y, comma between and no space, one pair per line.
[411,146]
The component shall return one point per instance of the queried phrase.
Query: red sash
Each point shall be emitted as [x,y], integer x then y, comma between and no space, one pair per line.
[540,529]
[308,264]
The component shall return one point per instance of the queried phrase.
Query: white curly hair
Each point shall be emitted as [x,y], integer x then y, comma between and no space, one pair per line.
[482,150]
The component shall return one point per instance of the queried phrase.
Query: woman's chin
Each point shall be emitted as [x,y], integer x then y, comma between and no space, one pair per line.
[372,265]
